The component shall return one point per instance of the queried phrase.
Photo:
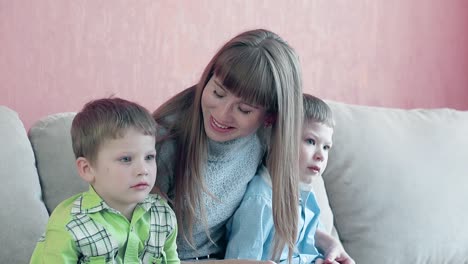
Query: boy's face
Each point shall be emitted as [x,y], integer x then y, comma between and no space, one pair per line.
[125,170]
[315,144]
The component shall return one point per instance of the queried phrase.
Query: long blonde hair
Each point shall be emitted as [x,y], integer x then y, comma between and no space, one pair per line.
[262,69]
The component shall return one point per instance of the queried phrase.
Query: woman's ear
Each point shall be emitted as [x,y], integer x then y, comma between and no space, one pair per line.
[85,170]
[270,119]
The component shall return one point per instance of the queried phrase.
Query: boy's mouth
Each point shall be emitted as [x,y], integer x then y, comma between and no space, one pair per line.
[140,186]
[315,169]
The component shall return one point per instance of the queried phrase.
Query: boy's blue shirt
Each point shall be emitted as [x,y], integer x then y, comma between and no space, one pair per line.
[250,231]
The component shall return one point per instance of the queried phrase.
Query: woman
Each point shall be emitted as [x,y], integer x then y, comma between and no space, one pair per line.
[245,111]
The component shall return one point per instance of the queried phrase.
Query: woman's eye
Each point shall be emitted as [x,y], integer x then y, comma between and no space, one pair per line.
[150,157]
[245,111]
[310,141]
[125,159]
[217,94]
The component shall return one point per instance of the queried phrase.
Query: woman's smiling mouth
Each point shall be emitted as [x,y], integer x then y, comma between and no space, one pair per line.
[218,126]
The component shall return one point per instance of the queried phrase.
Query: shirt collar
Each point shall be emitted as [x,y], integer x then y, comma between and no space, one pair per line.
[91,202]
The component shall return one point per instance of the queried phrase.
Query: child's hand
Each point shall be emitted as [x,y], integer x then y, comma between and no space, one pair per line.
[331,249]
[318,261]
[337,254]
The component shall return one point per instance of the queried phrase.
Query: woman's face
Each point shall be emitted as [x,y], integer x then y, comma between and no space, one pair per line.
[226,116]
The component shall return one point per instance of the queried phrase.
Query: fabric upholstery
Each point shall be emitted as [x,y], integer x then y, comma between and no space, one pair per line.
[23,215]
[397,183]
[51,141]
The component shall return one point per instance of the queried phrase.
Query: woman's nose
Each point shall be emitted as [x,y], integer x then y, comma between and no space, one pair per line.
[225,112]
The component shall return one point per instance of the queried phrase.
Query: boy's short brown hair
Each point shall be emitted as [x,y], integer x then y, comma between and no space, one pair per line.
[105,119]
[316,110]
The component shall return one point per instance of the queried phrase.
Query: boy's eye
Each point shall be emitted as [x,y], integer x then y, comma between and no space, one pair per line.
[150,157]
[310,141]
[125,159]
[326,147]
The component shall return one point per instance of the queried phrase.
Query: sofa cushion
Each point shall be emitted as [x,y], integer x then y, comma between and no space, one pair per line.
[51,141]
[397,183]
[23,215]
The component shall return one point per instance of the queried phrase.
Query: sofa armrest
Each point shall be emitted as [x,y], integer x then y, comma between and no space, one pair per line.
[23,214]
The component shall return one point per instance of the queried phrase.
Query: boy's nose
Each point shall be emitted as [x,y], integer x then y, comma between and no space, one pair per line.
[318,155]
[143,169]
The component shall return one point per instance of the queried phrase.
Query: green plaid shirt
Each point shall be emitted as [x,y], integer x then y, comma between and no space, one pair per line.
[84,229]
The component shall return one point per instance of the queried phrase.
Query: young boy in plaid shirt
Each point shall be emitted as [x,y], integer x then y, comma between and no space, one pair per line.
[116,220]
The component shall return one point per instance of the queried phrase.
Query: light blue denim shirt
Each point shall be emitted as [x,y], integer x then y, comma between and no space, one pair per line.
[250,231]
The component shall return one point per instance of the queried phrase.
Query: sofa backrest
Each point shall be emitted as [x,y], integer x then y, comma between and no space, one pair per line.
[397,181]
[51,141]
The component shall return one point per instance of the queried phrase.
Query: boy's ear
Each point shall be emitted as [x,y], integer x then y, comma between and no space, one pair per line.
[85,170]
[270,119]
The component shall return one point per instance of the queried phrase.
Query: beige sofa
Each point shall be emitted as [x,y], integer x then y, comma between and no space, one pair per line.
[397,183]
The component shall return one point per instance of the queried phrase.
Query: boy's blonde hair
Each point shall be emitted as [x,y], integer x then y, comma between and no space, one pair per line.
[105,119]
[316,110]
[262,69]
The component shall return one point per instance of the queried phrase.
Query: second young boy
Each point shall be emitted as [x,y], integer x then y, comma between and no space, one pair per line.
[251,229]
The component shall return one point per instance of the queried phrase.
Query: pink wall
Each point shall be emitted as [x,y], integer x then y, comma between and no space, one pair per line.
[57,54]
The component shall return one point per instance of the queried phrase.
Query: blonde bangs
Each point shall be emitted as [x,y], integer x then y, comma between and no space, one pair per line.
[245,72]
